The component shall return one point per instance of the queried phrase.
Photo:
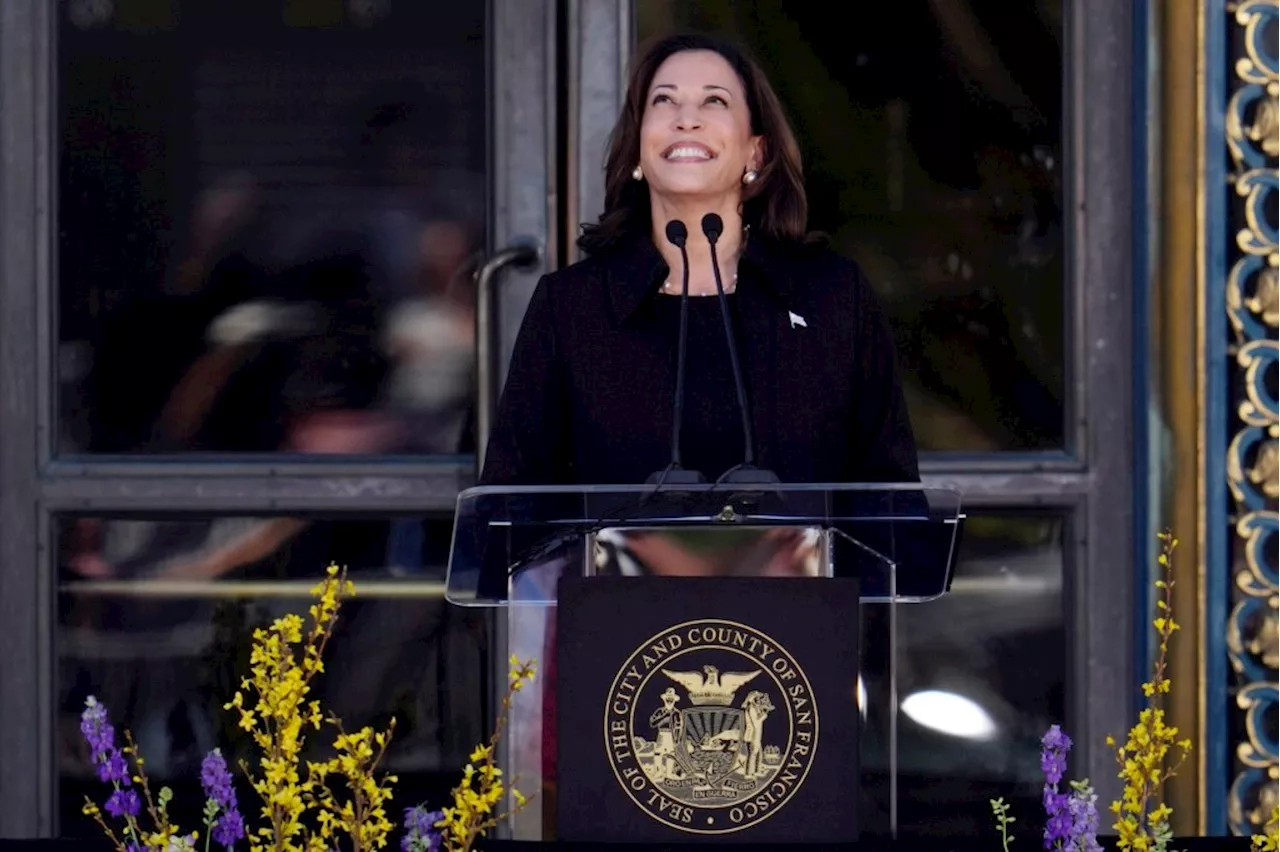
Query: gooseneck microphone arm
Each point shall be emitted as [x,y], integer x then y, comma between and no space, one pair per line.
[713,227]
[678,236]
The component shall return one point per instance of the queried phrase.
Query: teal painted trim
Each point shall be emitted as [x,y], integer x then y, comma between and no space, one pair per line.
[1217,544]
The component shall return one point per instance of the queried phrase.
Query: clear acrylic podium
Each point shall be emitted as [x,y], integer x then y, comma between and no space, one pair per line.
[511,546]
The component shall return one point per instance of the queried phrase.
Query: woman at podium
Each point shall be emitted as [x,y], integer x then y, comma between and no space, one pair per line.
[704,338]
[704,334]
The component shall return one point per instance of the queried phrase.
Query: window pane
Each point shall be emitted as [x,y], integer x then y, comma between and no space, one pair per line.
[156,619]
[981,677]
[267,215]
[931,134]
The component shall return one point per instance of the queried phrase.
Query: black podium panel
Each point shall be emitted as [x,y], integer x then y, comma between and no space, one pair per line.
[707,709]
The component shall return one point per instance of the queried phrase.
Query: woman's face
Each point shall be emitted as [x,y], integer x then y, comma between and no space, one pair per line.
[695,137]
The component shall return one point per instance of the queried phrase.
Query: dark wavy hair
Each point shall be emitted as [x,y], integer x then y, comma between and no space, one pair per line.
[774,205]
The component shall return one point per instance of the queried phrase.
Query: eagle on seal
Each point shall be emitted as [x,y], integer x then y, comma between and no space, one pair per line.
[711,686]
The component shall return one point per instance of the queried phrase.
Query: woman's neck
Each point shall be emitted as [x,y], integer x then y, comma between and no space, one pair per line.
[701,275]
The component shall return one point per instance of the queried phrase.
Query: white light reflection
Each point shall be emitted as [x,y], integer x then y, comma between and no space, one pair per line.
[861,698]
[949,713]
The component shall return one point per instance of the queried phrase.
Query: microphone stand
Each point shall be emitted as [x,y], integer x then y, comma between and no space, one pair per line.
[674,472]
[746,473]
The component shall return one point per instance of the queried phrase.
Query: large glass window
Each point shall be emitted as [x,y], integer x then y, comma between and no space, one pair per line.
[267,216]
[931,137]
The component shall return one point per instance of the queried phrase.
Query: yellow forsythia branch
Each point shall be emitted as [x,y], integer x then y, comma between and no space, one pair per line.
[476,798]
[1152,753]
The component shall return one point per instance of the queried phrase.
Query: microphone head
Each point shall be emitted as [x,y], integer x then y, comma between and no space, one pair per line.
[677,233]
[712,226]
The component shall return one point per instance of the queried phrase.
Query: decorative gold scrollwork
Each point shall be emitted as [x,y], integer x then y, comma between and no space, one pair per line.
[1253,454]
[1263,129]
[1263,642]
[1264,471]
[1265,300]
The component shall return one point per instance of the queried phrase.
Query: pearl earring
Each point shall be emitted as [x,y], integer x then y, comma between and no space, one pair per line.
[750,176]
[637,173]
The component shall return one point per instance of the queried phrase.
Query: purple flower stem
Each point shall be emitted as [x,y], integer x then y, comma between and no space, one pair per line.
[208,831]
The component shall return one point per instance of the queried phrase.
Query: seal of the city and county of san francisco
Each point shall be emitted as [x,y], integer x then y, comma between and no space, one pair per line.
[711,726]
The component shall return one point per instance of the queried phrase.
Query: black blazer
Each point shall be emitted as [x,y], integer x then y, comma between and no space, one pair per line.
[588,399]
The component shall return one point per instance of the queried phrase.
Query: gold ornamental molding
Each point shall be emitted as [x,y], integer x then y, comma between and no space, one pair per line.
[1253,451]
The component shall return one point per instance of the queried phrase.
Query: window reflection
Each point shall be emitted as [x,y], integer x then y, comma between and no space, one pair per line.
[268,216]
[931,135]
[981,677]
[156,618]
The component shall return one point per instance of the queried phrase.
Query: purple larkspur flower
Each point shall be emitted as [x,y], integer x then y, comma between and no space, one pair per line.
[123,802]
[101,738]
[1083,808]
[1053,762]
[1058,827]
[114,768]
[228,829]
[215,778]
[422,836]
[1053,754]
[95,727]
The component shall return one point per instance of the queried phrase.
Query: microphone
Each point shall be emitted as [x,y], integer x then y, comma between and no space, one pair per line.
[747,472]
[678,236]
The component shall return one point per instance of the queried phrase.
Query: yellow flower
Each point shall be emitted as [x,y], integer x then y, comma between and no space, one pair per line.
[315,806]
[1144,758]
[479,794]
[273,704]
[1269,839]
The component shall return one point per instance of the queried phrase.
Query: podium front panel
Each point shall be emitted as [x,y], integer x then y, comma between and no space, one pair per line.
[707,709]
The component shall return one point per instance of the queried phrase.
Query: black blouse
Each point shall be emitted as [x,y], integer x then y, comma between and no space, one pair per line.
[711,439]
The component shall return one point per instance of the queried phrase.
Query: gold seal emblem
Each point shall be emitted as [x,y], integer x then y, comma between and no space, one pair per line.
[711,726]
